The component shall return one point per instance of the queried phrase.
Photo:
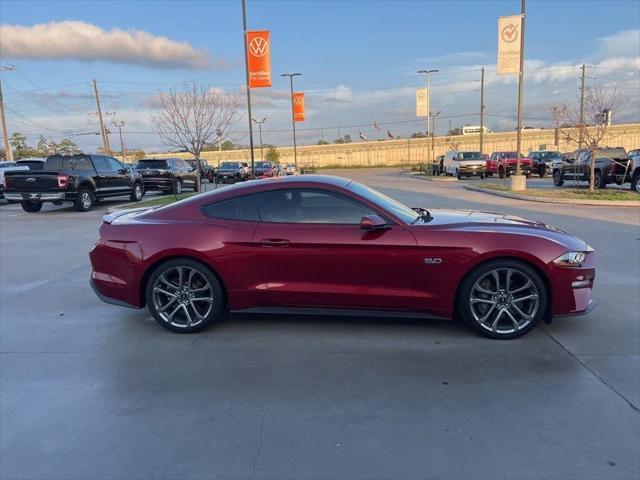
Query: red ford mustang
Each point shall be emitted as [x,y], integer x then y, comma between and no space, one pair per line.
[319,244]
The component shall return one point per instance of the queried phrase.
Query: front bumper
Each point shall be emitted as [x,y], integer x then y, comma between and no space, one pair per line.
[571,288]
[36,196]
[470,171]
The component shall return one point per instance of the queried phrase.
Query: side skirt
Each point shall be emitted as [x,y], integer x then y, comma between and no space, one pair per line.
[338,312]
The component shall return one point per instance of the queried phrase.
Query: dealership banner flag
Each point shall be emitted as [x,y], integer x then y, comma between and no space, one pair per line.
[298,106]
[422,102]
[259,49]
[509,31]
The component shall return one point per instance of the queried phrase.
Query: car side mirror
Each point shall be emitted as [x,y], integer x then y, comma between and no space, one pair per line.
[372,222]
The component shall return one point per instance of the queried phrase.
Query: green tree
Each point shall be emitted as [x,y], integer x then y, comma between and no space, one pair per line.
[19,142]
[322,142]
[345,139]
[272,155]
[139,155]
[67,147]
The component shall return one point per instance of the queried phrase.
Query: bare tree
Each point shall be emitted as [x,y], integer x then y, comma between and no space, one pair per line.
[192,117]
[589,132]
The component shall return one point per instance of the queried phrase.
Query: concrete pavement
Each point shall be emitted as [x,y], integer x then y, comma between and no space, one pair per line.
[90,390]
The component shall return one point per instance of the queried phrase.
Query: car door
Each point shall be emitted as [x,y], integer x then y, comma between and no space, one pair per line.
[187,173]
[104,176]
[121,179]
[312,252]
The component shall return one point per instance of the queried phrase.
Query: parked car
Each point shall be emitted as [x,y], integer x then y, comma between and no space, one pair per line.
[81,179]
[504,164]
[541,161]
[290,169]
[634,169]
[266,169]
[463,164]
[611,166]
[336,246]
[232,172]
[167,174]
[205,168]
[8,167]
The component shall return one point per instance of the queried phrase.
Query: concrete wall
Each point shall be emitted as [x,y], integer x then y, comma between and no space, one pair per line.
[418,150]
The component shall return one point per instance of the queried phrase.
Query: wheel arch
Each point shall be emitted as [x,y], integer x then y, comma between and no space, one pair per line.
[528,261]
[144,280]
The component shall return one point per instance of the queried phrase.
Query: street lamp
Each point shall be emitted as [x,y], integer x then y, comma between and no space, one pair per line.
[259,123]
[428,74]
[433,137]
[293,118]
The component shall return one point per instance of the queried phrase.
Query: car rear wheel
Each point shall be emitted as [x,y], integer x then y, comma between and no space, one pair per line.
[85,200]
[178,187]
[31,207]
[501,173]
[557,178]
[184,296]
[137,192]
[541,171]
[598,180]
[635,183]
[503,299]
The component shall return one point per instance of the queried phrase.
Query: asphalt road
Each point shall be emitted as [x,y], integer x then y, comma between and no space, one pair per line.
[93,391]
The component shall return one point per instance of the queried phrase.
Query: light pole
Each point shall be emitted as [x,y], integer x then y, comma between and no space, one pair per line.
[433,137]
[259,123]
[428,75]
[119,125]
[293,118]
[246,68]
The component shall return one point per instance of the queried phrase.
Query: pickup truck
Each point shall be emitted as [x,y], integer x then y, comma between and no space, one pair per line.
[541,161]
[504,164]
[81,179]
[611,166]
[8,167]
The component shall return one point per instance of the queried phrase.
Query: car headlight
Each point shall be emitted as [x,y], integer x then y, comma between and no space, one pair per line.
[571,259]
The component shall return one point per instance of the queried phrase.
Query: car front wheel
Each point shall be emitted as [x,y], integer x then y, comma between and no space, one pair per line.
[184,296]
[502,299]
[635,183]
[557,178]
[598,180]
[137,192]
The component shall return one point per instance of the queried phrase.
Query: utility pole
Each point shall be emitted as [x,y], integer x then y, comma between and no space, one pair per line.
[293,116]
[428,74]
[5,135]
[246,68]
[581,126]
[120,125]
[433,137]
[260,130]
[105,144]
[520,90]
[481,110]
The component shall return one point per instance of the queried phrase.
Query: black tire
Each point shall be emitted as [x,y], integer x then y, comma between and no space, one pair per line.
[31,207]
[598,180]
[523,271]
[58,202]
[85,201]
[482,177]
[489,174]
[541,171]
[137,192]
[557,178]
[216,310]
[501,173]
[635,183]
[458,175]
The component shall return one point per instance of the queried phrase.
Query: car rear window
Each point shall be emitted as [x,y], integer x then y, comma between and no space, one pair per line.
[33,165]
[75,164]
[151,164]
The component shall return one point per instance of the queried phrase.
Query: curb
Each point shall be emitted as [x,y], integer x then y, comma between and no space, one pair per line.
[435,179]
[565,201]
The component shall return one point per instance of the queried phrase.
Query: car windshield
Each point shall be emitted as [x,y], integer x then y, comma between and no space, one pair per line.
[229,165]
[263,164]
[470,156]
[549,154]
[404,213]
[151,164]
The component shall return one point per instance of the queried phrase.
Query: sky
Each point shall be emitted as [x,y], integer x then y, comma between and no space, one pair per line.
[358,61]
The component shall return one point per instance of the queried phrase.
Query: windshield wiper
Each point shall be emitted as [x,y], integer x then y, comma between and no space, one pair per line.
[423,214]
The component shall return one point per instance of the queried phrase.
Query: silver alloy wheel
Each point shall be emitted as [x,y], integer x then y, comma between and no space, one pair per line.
[85,199]
[137,191]
[638,185]
[178,187]
[504,300]
[182,296]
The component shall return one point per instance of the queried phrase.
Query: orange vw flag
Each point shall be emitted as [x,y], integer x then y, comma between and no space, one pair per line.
[298,106]
[259,53]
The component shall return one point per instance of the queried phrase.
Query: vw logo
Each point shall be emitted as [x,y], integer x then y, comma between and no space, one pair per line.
[298,101]
[259,47]
[31,179]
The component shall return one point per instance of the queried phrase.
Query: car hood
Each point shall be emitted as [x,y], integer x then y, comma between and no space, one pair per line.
[477,221]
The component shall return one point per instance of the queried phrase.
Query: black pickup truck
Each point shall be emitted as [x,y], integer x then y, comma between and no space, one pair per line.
[81,179]
[611,166]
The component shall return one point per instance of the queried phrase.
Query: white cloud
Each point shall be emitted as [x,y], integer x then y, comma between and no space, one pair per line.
[620,44]
[76,40]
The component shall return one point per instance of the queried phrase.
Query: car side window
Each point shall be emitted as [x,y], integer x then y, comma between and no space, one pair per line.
[82,164]
[309,206]
[115,165]
[102,167]
[239,208]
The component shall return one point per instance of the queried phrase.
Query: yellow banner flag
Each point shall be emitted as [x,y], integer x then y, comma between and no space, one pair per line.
[422,102]
[509,33]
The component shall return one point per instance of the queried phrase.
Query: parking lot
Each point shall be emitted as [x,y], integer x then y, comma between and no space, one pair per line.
[94,391]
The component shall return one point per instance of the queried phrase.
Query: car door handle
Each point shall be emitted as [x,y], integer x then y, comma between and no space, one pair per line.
[274,242]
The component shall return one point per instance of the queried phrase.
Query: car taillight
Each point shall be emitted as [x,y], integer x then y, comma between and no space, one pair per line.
[63,181]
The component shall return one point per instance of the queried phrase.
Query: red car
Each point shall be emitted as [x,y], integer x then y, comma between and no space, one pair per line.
[321,244]
[504,164]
